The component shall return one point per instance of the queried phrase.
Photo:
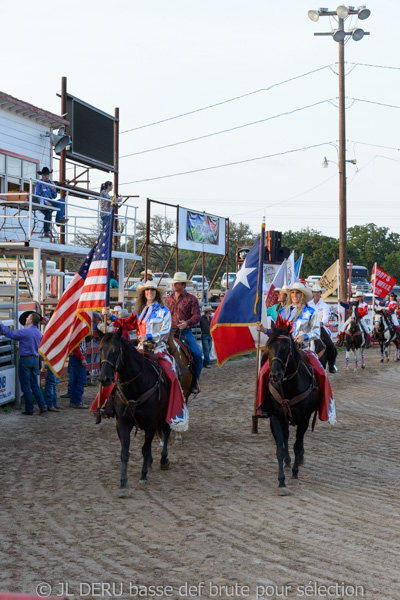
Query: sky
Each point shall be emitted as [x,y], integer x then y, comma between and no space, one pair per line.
[156,60]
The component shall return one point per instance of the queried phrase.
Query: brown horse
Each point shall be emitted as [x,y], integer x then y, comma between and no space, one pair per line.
[181,354]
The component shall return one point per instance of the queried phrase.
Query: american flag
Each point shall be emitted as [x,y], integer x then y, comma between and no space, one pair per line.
[88,291]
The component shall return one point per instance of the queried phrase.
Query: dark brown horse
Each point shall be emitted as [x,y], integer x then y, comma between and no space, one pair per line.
[139,398]
[292,396]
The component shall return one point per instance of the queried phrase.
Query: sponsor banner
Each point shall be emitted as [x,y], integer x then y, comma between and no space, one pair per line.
[7,385]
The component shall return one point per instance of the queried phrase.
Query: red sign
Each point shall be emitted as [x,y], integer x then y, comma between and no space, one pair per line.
[382,283]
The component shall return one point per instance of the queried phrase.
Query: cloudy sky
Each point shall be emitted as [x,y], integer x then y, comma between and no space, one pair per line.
[252,67]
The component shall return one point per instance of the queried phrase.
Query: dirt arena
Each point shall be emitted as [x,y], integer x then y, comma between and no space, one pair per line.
[213,526]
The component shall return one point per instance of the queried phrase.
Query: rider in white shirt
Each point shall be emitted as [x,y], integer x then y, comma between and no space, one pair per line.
[323,314]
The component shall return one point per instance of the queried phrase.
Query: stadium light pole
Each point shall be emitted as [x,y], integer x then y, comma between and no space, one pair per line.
[339,35]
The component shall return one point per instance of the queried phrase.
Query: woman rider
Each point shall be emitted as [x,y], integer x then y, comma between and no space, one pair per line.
[304,327]
[152,322]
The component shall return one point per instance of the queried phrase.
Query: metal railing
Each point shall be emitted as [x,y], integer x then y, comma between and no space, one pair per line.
[22,218]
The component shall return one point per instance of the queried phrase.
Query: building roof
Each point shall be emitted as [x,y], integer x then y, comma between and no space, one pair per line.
[24,109]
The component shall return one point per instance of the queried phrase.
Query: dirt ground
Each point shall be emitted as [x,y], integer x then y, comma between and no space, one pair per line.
[213,526]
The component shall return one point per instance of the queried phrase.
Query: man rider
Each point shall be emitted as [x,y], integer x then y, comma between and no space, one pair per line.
[185,314]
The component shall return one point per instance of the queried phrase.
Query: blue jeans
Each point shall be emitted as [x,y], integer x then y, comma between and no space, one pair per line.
[50,389]
[47,213]
[28,372]
[188,336]
[77,380]
[206,342]
[104,220]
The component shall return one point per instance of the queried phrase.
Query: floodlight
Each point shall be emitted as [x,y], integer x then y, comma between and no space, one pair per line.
[338,35]
[324,165]
[364,14]
[342,12]
[313,15]
[357,34]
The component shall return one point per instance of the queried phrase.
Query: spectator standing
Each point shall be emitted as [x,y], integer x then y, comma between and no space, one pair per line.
[185,313]
[105,202]
[206,339]
[77,376]
[29,340]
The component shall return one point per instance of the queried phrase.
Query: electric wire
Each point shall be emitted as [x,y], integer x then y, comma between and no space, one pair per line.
[191,112]
[202,137]
[237,162]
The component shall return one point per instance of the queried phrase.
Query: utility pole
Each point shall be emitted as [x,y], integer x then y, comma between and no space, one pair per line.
[339,35]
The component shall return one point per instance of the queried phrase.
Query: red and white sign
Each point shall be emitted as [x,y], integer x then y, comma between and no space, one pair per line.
[382,283]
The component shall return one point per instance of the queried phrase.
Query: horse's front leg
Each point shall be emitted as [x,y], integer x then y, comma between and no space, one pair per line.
[356,359]
[382,355]
[277,431]
[147,457]
[347,357]
[299,448]
[362,349]
[124,433]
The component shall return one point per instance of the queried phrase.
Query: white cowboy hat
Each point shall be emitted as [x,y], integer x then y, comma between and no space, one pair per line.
[359,295]
[303,289]
[149,272]
[207,309]
[122,314]
[283,289]
[115,308]
[318,288]
[150,285]
[180,277]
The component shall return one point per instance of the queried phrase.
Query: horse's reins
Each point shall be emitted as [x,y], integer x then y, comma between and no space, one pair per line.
[131,404]
[280,397]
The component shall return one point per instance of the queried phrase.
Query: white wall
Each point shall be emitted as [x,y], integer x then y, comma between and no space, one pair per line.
[21,136]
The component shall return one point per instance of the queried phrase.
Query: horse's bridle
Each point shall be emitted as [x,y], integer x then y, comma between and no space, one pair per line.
[280,396]
[285,364]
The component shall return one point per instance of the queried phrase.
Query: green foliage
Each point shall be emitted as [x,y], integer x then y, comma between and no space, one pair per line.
[320,251]
[367,244]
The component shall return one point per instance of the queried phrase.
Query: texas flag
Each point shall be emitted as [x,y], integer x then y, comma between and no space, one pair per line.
[242,307]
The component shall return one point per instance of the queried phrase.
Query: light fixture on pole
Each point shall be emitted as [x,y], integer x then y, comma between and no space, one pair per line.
[339,35]
[60,140]
[325,162]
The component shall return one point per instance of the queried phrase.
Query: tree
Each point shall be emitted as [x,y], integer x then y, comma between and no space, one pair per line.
[320,251]
[369,244]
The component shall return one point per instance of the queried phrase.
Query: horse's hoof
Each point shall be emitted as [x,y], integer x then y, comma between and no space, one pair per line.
[381,360]
[143,482]
[123,493]
[283,491]
[363,366]
[288,466]
[179,438]
[165,466]
[295,481]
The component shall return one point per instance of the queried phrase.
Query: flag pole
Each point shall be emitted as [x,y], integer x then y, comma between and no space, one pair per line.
[107,299]
[259,301]
[373,297]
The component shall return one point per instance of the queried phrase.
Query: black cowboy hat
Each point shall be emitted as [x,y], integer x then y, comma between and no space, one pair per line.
[45,171]
[22,318]
[393,294]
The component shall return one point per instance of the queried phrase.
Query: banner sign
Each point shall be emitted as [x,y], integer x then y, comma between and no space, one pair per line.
[382,283]
[201,232]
